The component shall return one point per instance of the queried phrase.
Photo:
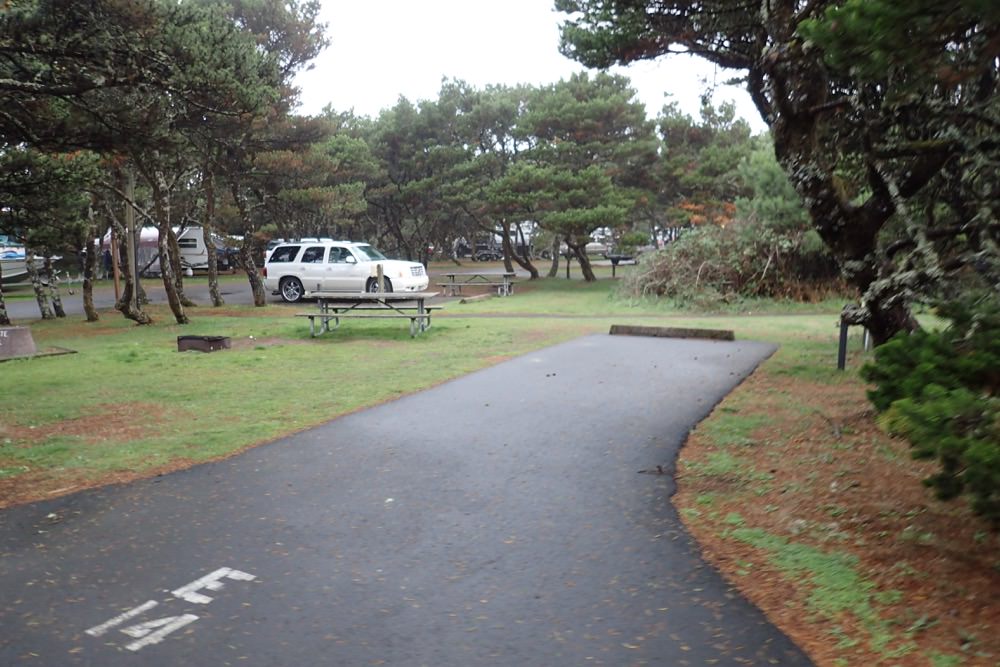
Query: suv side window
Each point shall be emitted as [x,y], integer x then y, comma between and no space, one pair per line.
[285,253]
[338,255]
[313,255]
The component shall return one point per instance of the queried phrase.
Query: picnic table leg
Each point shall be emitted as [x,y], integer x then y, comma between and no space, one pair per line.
[324,323]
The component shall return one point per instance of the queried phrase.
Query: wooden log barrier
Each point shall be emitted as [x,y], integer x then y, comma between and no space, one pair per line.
[670,332]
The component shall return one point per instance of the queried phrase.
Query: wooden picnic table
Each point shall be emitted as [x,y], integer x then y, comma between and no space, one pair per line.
[502,281]
[336,306]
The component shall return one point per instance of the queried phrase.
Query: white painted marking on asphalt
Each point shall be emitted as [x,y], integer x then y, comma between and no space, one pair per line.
[167,625]
[210,581]
[99,630]
[153,632]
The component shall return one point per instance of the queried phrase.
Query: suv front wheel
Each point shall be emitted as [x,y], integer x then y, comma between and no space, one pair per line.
[291,290]
[372,285]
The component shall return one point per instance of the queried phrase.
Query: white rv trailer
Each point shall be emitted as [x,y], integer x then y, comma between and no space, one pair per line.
[190,240]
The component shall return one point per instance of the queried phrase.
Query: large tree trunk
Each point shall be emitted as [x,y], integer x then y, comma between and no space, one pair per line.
[554,266]
[510,251]
[525,260]
[508,247]
[253,275]
[36,284]
[208,227]
[178,269]
[52,288]
[579,249]
[130,303]
[162,212]
[246,249]
[90,270]
[793,94]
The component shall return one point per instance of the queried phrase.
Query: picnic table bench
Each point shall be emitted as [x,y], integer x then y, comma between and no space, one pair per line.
[503,282]
[335,306]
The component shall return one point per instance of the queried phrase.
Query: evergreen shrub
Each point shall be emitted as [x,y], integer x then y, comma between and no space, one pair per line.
[745,259]
[938,389]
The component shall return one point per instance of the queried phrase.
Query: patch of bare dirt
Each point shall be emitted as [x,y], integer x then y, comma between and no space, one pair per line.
[36,485]
[268,341]
[20,483]
[821,473]
[106,422]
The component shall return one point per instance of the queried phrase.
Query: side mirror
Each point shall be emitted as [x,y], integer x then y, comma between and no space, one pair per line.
[350,259]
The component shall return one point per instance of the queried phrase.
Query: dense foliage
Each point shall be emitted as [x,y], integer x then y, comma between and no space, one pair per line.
[165,95]
[938,389]
[697,178]
[763,246]
[746,259]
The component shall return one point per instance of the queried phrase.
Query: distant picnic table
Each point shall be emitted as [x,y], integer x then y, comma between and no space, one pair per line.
[336,306]
[502,281]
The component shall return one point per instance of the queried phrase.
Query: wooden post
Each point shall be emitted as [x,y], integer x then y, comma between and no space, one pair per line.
[380,280]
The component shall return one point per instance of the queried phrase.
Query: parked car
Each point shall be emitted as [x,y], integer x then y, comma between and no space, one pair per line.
[296,270]
[488,255]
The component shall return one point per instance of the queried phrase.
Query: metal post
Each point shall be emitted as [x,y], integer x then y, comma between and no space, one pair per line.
[842,350]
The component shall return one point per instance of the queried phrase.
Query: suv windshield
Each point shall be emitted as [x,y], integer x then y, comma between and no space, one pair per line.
[369,253]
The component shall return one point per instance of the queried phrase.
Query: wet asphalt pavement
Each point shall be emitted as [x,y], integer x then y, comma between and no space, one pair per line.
[498,519]
[196,289]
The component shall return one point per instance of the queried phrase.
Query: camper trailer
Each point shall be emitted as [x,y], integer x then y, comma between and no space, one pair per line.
[194,252]
[190,240]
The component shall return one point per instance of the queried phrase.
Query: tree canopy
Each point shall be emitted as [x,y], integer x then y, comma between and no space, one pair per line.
[883,114]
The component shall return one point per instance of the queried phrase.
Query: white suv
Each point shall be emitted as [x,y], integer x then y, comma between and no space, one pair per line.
[296,270]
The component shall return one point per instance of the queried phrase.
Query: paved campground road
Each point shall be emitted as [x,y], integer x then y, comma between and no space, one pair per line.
[498,519]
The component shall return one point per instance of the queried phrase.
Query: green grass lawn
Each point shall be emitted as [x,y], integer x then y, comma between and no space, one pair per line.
[276,380]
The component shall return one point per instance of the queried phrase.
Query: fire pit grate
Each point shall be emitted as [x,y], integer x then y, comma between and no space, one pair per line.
[203,343]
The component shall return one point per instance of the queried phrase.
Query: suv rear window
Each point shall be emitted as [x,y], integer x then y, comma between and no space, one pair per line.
[284,253]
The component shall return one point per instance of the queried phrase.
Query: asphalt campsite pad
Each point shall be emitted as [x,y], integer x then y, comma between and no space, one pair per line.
[498,519]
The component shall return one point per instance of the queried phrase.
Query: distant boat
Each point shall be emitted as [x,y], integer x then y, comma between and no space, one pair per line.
[13,267]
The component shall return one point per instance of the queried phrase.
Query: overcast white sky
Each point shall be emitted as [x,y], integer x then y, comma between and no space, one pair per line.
[383,49]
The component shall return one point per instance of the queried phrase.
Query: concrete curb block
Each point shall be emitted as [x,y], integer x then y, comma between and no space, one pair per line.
[478,297]
[670,332]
